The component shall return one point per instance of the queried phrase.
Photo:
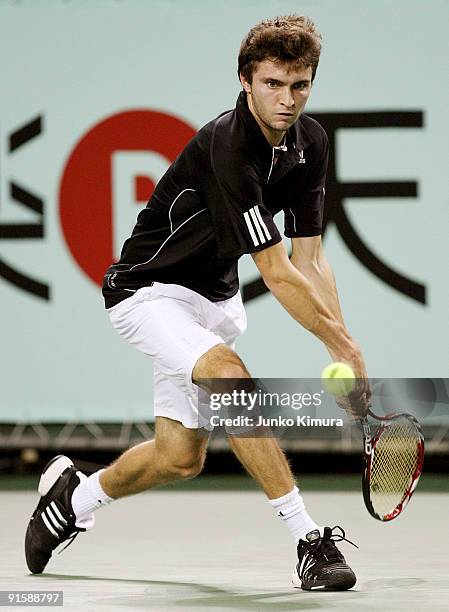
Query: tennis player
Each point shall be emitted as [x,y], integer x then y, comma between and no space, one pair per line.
[174,295]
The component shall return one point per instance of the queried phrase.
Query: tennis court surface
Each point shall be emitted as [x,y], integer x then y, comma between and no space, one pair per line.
[225,550]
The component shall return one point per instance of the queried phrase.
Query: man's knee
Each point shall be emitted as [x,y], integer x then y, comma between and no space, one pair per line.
[220,362]
[232,369]
[180,452]
[183,467]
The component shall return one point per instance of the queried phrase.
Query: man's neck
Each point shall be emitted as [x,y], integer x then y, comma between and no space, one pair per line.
[274,137]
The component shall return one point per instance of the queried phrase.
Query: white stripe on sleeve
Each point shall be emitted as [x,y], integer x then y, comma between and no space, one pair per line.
[250,228]
[257,225]
[262,223]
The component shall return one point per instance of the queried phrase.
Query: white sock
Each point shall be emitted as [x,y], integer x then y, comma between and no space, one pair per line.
[87,497]
[292,510]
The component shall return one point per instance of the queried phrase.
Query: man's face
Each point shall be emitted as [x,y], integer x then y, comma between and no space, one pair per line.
[277,96]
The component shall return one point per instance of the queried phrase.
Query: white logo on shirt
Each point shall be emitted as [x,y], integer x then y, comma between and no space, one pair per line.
[301,159]
[256,226]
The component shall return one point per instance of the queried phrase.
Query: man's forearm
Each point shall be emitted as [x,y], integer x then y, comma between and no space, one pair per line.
[305,304]
[311,299]
[321,277]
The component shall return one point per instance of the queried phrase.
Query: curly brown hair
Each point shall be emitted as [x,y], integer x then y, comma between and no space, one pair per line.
[289,38]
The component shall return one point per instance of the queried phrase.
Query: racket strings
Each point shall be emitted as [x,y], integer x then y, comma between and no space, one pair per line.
[394,463]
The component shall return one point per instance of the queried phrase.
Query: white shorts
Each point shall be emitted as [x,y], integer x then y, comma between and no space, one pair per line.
[176,326]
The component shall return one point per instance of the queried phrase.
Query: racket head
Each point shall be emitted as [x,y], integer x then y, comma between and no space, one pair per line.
[393,462]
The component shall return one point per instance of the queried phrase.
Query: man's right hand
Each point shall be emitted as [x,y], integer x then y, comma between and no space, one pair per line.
[358,402]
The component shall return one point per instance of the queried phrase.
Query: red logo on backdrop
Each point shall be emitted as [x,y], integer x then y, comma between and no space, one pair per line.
[85,197]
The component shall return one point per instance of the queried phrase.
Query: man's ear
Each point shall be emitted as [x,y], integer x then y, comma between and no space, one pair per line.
[246,86]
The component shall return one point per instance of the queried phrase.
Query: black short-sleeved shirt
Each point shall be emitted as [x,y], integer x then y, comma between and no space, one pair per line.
[217,201]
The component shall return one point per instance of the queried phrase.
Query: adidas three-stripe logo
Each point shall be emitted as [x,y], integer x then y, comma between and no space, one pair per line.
[306,564]
[53,519]
[256,226]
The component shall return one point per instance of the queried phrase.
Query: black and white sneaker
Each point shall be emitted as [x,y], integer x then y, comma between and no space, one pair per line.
[53,521]
[320,564]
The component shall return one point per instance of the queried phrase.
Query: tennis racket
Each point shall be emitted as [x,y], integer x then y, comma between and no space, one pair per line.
[393,461]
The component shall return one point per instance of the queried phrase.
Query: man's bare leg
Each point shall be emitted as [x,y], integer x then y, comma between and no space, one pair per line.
[261,456]
[175,453]
[264,460]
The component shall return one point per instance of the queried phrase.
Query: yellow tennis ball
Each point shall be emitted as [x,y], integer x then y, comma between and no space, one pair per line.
[338,378]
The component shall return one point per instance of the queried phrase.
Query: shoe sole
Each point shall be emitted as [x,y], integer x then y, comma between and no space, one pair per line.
[344,585]
[52,472]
